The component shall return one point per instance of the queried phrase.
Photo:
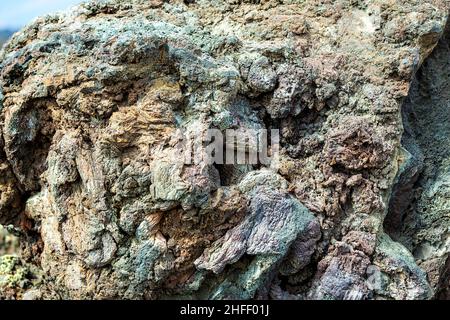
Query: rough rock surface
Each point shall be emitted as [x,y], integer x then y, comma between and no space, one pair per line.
[421,219]
[91,102]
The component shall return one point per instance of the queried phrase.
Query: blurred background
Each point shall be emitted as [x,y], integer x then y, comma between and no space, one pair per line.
[17,13]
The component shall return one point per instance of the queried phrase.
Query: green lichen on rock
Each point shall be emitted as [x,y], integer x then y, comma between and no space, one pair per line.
[13,273]
[21,280]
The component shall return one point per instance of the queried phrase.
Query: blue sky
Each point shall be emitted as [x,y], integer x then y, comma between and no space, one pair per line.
[17,13]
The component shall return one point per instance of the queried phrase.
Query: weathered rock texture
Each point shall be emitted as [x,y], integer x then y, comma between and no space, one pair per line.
[91,101]
[420,211]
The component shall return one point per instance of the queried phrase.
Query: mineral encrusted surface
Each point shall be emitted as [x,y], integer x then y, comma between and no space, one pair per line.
[358,206]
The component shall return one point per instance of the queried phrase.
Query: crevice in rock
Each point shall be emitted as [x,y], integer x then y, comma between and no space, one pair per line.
[419,208]
[443,290]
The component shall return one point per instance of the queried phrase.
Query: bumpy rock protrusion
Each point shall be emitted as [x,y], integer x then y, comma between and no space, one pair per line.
[92,103]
